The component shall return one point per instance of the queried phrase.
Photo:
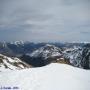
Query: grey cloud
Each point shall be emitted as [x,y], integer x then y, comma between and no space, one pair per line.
[85,32]
[56,19]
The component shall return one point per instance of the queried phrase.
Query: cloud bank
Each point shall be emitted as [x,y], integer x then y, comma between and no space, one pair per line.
[45,20]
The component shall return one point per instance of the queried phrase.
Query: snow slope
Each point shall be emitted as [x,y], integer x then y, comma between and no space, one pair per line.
[51,77]
[11,63]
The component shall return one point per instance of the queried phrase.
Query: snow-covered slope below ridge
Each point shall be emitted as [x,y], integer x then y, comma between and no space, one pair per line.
[51,77]
[8,63]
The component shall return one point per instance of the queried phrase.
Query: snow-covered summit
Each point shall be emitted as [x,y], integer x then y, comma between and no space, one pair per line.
[47,51]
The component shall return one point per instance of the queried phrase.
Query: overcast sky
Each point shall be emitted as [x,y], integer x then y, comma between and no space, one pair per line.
[45,20]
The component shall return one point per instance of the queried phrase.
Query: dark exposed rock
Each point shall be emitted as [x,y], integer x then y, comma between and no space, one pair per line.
[86,57]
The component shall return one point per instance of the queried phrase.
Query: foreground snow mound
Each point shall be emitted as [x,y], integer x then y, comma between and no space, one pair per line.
[11,63]
[51,77]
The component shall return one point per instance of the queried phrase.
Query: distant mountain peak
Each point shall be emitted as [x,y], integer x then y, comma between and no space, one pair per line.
[47,51]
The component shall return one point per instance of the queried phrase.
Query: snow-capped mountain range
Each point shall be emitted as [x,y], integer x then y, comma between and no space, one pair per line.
[69,54]
[18,48]
[75,54]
